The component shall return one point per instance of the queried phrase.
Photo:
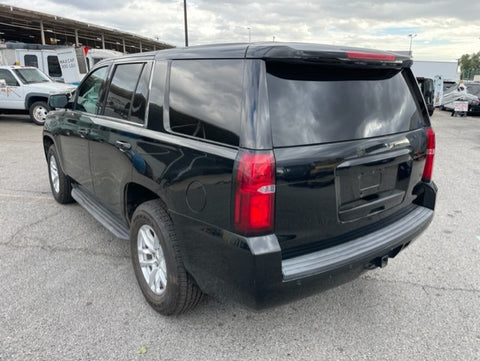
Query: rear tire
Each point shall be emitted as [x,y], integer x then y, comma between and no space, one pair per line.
[157,261]
[38,112]
[60,184]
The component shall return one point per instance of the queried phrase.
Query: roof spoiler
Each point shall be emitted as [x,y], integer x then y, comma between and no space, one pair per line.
[331,55]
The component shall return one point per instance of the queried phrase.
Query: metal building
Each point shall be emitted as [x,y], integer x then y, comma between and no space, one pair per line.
[27,26]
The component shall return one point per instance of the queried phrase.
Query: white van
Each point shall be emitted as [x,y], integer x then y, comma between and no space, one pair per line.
[65,64]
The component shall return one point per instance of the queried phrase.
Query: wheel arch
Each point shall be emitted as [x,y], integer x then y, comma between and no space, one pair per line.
[135,195]
[31,98]
[47,143]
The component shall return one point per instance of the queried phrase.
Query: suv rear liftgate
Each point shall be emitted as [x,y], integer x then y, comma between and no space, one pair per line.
[353,151]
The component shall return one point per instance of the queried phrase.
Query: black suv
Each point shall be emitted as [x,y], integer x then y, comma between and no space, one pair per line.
[253,171]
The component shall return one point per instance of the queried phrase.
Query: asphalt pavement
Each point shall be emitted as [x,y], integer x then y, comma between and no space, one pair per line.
[68,291]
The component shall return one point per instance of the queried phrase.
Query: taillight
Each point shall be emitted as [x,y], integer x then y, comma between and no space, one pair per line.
[254,192]
[430,155]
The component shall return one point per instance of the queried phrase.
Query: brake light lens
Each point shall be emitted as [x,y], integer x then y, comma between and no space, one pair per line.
[254,192]
[430,155]
[369,56]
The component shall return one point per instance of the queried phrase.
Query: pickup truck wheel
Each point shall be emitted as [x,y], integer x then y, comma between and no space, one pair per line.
[59,183]
[157,261]
[38,112]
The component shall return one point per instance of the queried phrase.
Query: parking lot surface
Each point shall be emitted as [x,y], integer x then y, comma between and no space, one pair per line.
[68,291]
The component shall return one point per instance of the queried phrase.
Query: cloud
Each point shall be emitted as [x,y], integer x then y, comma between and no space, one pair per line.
[445,30]
[93,5]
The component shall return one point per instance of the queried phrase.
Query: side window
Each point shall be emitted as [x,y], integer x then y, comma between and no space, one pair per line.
[8,77]
[54,66]
[30,60]
[205,99]
[157,93]
[122,90]
[139,102]
[89,92]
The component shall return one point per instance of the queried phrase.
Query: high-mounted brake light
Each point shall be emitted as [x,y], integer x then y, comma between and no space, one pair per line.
[430,155]
[369,56]
[254,192]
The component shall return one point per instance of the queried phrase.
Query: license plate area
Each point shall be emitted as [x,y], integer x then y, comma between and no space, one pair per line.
[369,186]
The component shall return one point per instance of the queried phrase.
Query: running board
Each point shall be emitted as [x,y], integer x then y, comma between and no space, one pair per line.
[100,213]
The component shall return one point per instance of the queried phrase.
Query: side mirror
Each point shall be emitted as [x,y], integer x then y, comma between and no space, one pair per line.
[58,101]
[3,84]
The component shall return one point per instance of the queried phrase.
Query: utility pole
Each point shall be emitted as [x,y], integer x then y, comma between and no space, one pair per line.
[249,35]
[185,18]
[411,36]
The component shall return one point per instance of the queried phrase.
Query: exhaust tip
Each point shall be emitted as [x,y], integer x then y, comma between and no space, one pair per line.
[379,262]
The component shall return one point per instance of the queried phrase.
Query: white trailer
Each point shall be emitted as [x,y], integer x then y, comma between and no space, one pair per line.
[448,70]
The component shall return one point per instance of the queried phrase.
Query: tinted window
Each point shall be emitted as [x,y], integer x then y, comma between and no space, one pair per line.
[205,99]
[317,104]
[155,109]
[121,90]
[89,92]
[139,103]
[54,66]
[8,77]
[30,60]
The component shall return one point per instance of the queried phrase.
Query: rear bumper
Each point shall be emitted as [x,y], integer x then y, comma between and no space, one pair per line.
[252,272]
[368,247]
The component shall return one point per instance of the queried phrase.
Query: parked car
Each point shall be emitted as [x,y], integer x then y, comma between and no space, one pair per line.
[249,171]
[473,88]
[460,93]
[428,91]
[26,90]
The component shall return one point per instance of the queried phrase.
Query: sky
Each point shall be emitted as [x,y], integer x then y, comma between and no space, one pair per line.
[445,30]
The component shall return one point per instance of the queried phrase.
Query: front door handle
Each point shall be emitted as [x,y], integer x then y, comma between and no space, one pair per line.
[83,132]
[123,146]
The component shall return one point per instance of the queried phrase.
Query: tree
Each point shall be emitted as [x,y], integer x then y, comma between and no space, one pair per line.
[470,65]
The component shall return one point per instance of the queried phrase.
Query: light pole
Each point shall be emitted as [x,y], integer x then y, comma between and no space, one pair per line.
[185,18]
[249,35]
[411,36]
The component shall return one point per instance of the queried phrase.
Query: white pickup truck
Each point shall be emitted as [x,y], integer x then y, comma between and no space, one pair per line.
[26,90]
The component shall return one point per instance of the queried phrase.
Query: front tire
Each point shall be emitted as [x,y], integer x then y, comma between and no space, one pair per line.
[60,184]
[38,112]
[157,261]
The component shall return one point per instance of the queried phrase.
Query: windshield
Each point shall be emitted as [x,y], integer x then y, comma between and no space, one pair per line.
[31,76]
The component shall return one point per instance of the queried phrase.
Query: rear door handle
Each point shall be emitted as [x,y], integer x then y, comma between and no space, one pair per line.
[123,146]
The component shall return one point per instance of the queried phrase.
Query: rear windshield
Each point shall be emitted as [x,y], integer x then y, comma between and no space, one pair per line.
[473,89]
[318,104]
